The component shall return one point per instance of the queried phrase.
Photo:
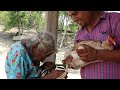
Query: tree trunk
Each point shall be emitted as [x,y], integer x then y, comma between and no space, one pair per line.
[65,32]
[19,30]
[21,25]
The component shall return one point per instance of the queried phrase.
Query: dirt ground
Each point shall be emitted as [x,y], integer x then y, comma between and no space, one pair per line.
[5,43]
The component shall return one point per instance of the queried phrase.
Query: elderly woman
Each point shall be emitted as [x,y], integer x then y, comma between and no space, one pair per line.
[24,57]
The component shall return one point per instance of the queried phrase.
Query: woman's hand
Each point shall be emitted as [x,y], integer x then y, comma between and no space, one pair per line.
[54,74]
[49,66]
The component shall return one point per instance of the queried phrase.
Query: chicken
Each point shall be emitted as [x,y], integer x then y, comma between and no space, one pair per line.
[77,63]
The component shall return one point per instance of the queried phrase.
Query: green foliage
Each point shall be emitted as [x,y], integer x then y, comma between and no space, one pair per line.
[22,19]
[16,19]
[34,19]
[73,27]
[3,17]
[61,20]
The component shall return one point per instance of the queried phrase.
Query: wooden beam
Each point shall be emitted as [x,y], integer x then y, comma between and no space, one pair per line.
[51,25]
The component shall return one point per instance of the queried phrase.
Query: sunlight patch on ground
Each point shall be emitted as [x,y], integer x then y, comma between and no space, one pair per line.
[72,74]
[3,53]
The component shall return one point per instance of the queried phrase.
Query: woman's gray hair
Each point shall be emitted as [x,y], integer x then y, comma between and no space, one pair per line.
[44,41]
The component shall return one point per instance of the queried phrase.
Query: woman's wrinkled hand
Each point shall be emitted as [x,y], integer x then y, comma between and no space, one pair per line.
[54,74]
[49,66]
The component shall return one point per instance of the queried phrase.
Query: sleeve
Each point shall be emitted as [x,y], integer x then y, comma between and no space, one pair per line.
[76,37]
[15,66]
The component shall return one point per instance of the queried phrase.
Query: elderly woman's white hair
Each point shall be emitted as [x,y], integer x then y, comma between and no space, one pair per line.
[44,41]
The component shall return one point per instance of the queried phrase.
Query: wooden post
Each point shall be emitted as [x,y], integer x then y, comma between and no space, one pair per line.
[51,24]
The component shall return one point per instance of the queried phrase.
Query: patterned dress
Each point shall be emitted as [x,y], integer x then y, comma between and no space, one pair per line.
[18,64]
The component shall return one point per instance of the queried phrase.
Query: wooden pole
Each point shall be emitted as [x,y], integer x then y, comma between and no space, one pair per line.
[51,25]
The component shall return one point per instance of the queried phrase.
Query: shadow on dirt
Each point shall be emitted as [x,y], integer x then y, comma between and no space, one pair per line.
[6,38]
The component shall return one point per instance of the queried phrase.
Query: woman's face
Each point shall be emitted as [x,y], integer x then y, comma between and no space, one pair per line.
[39,55]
